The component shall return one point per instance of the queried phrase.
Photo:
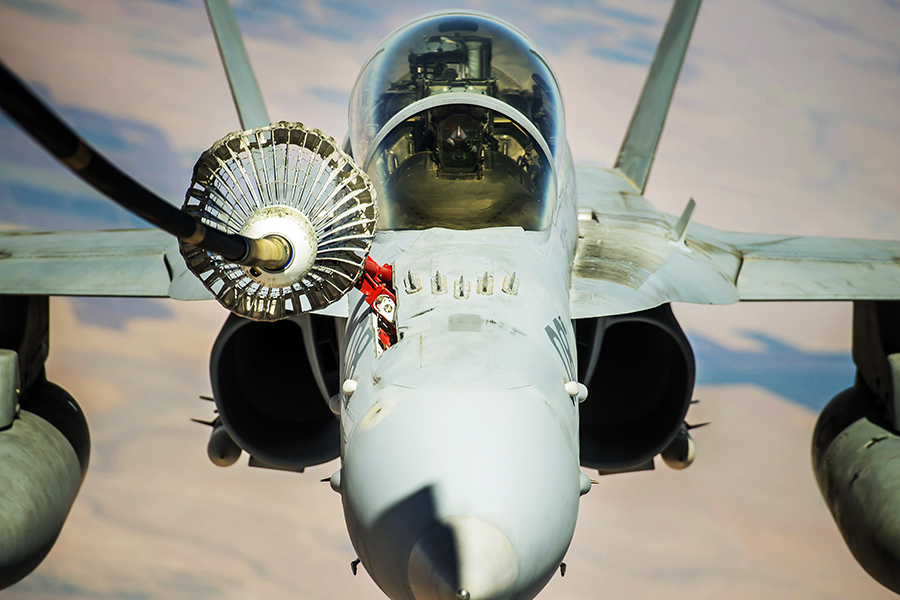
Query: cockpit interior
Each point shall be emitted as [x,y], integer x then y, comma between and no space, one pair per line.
[456,119]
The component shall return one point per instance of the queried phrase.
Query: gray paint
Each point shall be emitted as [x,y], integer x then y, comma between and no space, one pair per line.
[244,88]
[140,262]
[856,460]
[39,478]
[9,387]
[445,423]
[639,147]
[628,259]
[876,352]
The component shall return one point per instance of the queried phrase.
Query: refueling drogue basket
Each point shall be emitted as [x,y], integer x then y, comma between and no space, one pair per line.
[284,180]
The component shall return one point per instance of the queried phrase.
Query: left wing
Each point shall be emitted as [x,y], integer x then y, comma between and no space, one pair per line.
[138,262]
[144,262]
[631,257]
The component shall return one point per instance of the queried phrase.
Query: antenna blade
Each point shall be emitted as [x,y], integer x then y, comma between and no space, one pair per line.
[639,147]
[680,229]
[244,88]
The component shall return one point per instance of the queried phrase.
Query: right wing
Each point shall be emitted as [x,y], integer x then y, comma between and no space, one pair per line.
[781,267]
[631,257]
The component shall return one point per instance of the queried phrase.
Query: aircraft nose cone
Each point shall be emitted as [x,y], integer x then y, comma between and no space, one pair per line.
[462,558]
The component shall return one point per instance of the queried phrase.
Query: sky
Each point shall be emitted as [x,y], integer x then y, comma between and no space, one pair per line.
[784,121]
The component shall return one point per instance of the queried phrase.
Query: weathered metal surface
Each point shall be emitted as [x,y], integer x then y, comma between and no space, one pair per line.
[9,387]
[39,478]
[485,348]
[629,259]
[856,459]
[856,447]
[876,352]
[816,268]
[221,449]
[135,262]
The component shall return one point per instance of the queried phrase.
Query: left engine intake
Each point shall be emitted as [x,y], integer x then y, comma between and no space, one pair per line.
[271,382]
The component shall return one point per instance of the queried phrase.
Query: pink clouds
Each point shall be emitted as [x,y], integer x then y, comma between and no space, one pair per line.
[786,122]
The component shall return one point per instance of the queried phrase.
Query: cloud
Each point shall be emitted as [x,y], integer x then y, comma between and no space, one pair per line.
[52,585]
[45,10]
[172,58]
[171,585]
[740,139]
[627,16]
[286,21]
[840,140]
[334,96]
[622,56]
[889,65]
[810,379]
[834,21]
[36,191]
[41,207]
[173,2]
[116,312]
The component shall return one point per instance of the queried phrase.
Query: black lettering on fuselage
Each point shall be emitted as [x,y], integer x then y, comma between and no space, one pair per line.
[559,337]
[361,337]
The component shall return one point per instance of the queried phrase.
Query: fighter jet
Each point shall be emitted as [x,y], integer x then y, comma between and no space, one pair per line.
[458,312]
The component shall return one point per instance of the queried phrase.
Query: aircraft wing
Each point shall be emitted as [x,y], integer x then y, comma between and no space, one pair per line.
[142,262]
[779,267]
[139,262]
[631,257]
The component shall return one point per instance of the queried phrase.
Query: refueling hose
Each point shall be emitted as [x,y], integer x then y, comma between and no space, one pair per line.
[63,143]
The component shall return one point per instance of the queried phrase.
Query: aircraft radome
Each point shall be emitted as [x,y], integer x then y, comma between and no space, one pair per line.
[464,409]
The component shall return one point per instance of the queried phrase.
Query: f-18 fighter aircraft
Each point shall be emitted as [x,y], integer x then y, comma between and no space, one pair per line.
[445,302]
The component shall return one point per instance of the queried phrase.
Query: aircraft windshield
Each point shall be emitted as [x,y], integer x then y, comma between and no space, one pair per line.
[462,166]
[455,52]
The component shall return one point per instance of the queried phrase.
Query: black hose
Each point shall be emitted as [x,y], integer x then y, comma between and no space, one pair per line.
[63,143]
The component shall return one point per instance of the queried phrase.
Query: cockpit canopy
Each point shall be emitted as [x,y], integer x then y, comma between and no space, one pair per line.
[458,121]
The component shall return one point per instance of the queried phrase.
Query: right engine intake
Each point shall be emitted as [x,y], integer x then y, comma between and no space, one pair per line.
[271,382]
[639,370]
